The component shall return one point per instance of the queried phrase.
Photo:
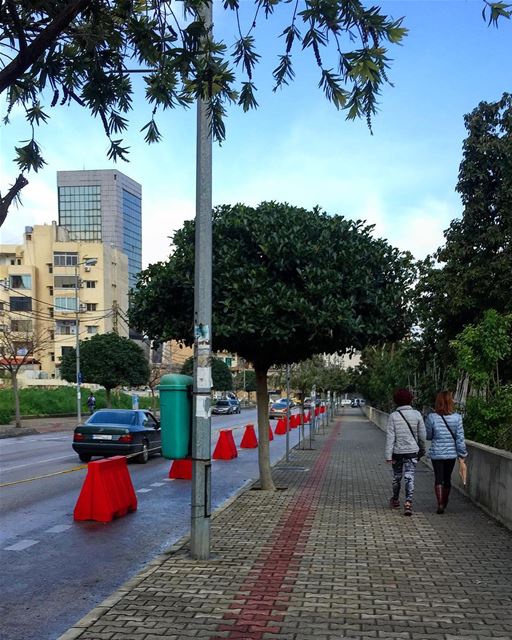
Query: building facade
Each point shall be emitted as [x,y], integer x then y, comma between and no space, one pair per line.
[39,293]
[103,206]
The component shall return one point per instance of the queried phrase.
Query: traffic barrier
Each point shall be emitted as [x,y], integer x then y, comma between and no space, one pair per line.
[280,429]
[181,469]
[107,492]
[322,409]
[270,434]
[317,410]
[294,421]
[226,447]
[249,440]
[307,417]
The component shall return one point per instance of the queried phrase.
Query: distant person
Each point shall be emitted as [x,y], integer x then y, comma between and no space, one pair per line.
[444,428]
[405,443]
[91,403]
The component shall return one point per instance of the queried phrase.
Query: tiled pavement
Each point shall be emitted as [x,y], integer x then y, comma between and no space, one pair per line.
[326,559]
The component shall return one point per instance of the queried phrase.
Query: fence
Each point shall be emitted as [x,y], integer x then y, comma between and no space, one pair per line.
[489,483]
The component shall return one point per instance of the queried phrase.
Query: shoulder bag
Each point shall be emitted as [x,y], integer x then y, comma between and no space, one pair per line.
[421,450]
[463,468]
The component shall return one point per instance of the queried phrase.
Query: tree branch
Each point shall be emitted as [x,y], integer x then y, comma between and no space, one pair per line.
[12,194]
[28,55]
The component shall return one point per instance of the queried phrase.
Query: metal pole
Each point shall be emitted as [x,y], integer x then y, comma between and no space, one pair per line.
[77,349]
[287,412]
[201,429]
[312,420]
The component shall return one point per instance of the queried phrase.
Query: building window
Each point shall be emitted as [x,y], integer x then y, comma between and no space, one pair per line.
[20,303]
[65,327]
[18,261]
[64,282]
[52,335]
[65,304]
[1,306]
[52,356]
[50,290]
[80,211]
[21,326]
[92,329]
[50,312]
[91,306]
[65,259]
[65,350]
[90,284]
[21,282]
[50,267]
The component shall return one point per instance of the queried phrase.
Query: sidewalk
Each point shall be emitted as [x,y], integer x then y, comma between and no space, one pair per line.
[325,559]
[33,426]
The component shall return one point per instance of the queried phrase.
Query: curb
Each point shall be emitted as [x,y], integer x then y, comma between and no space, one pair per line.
[16,432]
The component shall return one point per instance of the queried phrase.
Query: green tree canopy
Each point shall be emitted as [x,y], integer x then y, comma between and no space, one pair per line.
[472,272]
[287,283]
[222,379]
[245,380]
[108,360]
[86,52]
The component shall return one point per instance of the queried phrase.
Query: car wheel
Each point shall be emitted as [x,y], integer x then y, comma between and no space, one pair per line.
[84,457]
[143,457]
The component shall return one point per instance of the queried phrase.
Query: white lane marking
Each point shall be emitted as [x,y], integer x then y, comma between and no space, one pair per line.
[143,490]
[169,479]
[58,528]
[31,464]
[22,544]
[157,484]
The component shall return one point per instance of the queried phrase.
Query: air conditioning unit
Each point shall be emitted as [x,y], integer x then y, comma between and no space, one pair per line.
[87,268]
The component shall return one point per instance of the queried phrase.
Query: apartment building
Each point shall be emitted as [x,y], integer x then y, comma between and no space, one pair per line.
[39,292]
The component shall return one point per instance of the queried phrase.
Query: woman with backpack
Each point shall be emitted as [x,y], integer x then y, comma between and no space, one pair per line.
[444,428]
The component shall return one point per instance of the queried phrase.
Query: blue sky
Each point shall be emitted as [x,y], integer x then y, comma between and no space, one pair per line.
[296,147]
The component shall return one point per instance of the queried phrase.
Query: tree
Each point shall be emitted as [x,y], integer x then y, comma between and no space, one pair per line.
[222,379]
[86,51]
[472,272]
[278,298]
[20,345]
[108,360]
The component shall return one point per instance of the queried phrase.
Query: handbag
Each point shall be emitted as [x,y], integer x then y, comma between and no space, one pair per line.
[421,450]
[463,467]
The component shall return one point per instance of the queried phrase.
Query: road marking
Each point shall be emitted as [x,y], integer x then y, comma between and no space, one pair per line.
[58,528]
[143,490]
[22,544]
[157,484]
[31,464]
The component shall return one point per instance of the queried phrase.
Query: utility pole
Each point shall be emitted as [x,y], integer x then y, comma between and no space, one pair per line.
[115,318]
[201,427]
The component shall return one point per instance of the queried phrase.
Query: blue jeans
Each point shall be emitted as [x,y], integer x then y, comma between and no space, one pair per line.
[406,468]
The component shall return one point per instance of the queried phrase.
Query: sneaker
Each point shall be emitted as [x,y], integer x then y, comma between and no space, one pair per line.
[394,503]
[408,508]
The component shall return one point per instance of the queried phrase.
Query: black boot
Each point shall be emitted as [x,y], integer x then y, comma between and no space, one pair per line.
[440,497]
[446,493]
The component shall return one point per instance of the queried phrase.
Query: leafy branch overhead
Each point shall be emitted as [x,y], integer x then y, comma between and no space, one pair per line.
[87,52]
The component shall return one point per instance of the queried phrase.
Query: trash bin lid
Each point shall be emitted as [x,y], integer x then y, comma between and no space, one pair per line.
[175,381]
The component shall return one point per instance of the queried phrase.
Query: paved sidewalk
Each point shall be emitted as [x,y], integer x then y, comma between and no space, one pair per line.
[33,426]
[326,559]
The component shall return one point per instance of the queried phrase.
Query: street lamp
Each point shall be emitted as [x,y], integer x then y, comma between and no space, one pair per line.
[88,262]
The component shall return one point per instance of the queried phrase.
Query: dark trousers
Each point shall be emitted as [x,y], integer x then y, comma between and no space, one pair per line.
[443,471]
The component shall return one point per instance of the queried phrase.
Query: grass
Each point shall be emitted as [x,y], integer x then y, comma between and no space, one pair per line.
[59,401]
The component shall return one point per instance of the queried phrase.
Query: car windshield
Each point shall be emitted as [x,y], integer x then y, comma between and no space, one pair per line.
[222,403]
[113,417]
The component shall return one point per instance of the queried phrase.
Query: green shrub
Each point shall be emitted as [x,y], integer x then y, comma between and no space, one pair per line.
[490,422]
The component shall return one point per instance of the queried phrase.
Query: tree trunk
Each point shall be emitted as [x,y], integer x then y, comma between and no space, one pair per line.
[108,399]
[15,393]
[266,481]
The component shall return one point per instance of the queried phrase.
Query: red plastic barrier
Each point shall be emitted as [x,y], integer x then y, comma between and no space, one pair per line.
[317,410]
[322,409]
[226,447]
[181,469]
[270,434]
[307,417]
[107,492]
[294,421]
[280,429]
[249,440]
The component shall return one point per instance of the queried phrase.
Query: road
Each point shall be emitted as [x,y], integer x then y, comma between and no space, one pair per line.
[55,570]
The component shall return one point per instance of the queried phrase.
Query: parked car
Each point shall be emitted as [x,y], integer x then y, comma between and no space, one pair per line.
[235,402]
[225,405]
[345,401]
[114,432]
[355,403]
[278,409]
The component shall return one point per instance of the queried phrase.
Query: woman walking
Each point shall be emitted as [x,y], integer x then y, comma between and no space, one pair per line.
[444,428]
[405,440]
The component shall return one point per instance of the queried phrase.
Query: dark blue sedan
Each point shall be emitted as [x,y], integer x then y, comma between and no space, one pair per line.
[118,432]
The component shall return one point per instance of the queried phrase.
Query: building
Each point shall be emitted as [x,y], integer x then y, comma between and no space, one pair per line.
[103,206]
[39,292]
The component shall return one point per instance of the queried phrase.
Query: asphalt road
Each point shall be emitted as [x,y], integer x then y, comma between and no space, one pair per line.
[55,570]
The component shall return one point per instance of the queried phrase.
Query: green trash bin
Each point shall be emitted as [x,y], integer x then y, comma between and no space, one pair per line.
[176,415]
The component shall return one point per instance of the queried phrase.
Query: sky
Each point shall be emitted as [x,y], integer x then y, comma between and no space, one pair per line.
[296,147]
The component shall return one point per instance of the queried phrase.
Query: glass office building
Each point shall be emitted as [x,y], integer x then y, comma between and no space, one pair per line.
[104,206]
